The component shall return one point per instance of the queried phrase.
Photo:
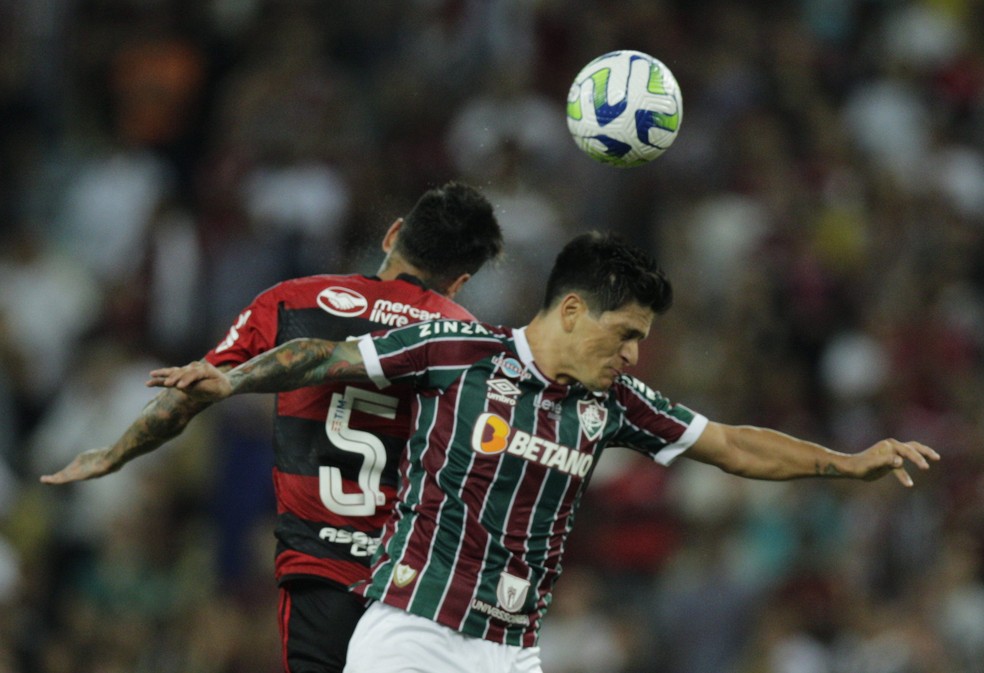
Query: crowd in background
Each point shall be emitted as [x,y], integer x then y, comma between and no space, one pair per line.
[821,216]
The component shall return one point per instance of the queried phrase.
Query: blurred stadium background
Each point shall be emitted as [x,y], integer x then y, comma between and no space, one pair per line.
[821,215]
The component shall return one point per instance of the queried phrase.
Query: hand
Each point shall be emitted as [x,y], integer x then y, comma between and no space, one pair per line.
[890,455]
[87,465]
[199,380]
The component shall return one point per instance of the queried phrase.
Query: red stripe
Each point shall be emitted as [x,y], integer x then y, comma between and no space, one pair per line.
[301,496]
[311,403]
[284,623]
[345,573]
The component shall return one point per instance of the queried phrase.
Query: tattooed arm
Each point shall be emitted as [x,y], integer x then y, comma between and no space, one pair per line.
[295,364]
[165,417]
[760,453]
[192,388]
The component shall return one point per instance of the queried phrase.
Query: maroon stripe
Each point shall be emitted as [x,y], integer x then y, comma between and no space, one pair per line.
[431,500]
[468,563]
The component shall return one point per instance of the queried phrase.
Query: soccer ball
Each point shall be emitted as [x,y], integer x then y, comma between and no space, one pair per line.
[624,108]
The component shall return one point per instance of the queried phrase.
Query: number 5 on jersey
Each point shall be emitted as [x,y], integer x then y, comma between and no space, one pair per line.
[369,446]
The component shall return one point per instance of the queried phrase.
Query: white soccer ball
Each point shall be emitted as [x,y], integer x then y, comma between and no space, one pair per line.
[624,108]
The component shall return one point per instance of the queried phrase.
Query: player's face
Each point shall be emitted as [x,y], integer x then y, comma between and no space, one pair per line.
[608,343]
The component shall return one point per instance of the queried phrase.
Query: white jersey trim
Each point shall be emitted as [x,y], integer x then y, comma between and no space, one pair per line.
[370,357]
[671,452]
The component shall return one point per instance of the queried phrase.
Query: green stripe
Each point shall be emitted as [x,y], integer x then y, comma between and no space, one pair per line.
[656,84]
[397,544]
[451,519]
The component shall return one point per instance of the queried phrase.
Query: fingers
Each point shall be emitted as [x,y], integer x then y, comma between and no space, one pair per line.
[914,452]
[75,471]
[176,377]
[56,478]
[86,465]
[903,477]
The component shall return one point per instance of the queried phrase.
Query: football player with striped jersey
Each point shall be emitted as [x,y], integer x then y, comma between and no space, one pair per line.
[336,445]
[509,424]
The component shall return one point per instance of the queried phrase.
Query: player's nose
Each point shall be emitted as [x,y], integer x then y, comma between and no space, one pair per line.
[630,353]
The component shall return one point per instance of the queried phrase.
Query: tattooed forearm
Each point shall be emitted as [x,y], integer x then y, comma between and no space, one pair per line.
[299,363]
[165,417]
[827,470]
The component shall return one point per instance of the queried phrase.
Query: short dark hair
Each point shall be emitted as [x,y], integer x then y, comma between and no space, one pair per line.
[451,230]
[608,273]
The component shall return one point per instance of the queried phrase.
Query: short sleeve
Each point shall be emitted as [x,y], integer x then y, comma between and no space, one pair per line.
[253,332]
[429,354]
[653,424]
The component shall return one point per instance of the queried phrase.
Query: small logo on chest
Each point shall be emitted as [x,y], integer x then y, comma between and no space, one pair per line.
[403,575]
[503,390]
[592,417]
[511,592]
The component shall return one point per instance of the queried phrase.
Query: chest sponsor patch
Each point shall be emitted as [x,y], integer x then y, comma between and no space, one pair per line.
[398,314]
[492,435]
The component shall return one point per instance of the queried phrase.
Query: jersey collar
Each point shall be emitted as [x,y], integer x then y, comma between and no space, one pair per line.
[525,354]
[406,277]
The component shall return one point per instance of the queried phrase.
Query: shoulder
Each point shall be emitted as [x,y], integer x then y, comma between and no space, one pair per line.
[303,285]
[630,387]
[451,330]
[342,295]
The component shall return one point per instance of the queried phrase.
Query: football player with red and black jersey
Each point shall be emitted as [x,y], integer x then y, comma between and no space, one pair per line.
[336,446]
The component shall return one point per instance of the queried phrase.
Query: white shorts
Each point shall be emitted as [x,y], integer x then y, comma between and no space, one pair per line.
[390,640]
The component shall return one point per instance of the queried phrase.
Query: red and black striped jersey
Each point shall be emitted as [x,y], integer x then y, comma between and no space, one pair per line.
[496,466]
[336,447]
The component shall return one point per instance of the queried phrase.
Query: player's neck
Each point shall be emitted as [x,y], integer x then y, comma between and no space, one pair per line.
[545,336]
[395,266]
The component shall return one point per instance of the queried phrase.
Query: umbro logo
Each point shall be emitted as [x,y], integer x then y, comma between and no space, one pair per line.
[503,390]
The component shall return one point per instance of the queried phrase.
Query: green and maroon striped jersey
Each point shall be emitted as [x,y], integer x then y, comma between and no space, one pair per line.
[498,460]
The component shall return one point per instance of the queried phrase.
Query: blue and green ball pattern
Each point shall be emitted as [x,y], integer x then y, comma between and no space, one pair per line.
[624,108]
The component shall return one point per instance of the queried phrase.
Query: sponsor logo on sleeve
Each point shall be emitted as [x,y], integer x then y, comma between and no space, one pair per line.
[233,334]
[451,328]
[342,301]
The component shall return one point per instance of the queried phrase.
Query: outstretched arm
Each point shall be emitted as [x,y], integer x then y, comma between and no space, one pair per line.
[760,453]
[163,418]
[295,364]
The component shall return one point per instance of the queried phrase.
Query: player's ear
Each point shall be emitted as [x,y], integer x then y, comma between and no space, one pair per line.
[389,240]
[571,307]
[457,284]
